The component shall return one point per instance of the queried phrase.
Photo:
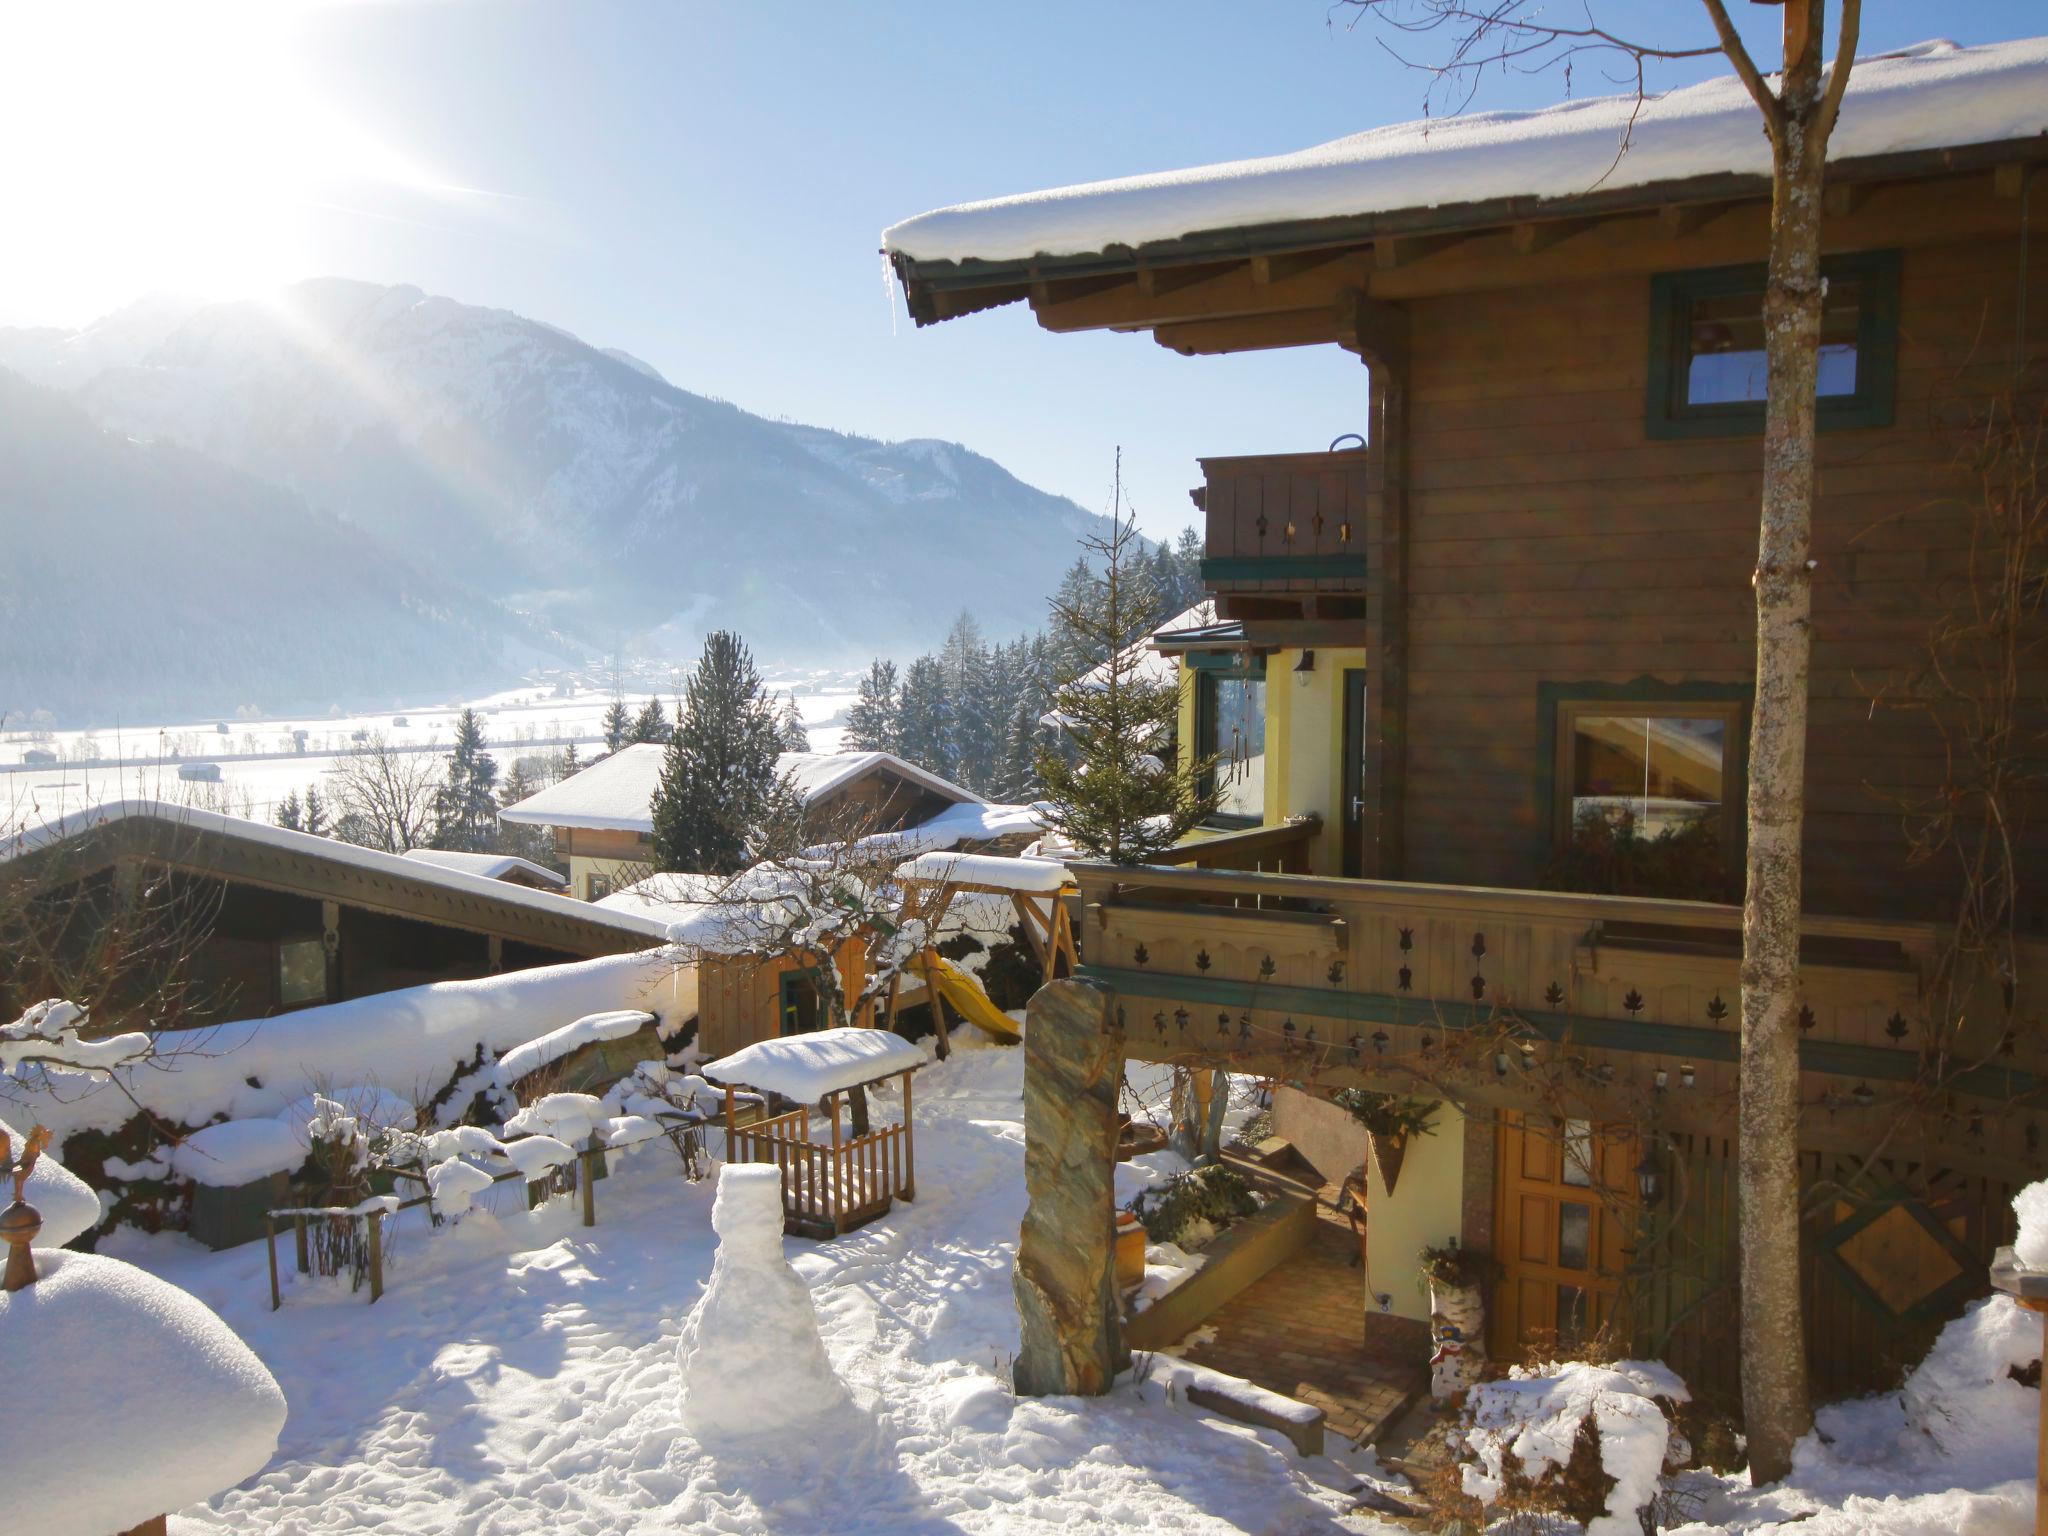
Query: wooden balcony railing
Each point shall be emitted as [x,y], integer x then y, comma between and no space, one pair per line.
[1376,968]
[1281,849]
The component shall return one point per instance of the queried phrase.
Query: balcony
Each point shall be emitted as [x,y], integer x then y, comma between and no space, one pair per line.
[1285,538]
[1299,977]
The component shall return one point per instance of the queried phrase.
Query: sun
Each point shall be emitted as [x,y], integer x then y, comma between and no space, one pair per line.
[187,147]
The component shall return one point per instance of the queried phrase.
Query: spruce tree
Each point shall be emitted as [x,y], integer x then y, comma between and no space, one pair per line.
[718,776]
[926,717]
[872,724]
[789,722]
[976,719]
[651,724]
[618,726]
[1110,794]
[466,806]
[567,762]
[316,812]
[289,815]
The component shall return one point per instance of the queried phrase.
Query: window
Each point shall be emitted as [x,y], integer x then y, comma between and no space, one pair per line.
[301,973]
[596,887]
[1230,726]
[1707,347]
[1648,796]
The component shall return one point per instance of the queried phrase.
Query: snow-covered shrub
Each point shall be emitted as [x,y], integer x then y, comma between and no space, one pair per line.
[1191,1208]
[1589,1442]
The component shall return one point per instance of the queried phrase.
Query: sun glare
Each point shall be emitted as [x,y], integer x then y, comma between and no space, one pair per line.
[169,146]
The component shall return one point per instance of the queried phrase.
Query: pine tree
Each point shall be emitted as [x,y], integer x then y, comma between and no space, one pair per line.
[618,726]
[1019,784]
[796,736]
[1078,590]
[976,718]
[535,843]
[873,725]
[316,812]
[288,814]
[466,806]
[718,776]
[567,762]
[651,724]
[925,717]
[1187,557]
[1111,796]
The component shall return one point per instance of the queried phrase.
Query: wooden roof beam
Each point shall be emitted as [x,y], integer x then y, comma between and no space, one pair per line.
[1680,219]
[1391,251]
[1217,293]
[1535,236]
[1249,333]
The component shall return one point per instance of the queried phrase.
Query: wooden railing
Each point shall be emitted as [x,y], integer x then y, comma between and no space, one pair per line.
[1279,849]
[826,1189]
[1376,968]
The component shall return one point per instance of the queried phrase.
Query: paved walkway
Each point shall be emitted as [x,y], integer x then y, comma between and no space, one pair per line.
[1300,1331]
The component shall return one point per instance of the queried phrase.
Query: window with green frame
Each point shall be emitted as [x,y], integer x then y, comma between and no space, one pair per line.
[1707,347]
[1230,727]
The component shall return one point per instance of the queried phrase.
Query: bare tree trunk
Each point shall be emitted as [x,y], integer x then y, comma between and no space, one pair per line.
[1775,1403]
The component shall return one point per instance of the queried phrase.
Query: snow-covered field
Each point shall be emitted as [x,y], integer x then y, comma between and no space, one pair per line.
[519,1375]
[260,761]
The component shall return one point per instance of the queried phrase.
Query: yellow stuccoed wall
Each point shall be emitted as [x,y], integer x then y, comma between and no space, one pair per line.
[1424,1211]
[1304,743]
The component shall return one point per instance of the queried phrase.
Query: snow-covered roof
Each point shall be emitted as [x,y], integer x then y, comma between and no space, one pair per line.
[617,795]
[661,896]
[1934,95]
[807,1067]
[1148,663]
[191,819]
[492,866]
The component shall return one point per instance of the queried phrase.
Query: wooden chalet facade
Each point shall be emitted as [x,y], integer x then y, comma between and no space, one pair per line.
[1447,665]
[257,920]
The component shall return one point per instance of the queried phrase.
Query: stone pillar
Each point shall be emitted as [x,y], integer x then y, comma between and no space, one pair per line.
[1065,1278]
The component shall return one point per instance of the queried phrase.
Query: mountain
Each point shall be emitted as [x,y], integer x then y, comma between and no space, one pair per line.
[144,577]
[578,485]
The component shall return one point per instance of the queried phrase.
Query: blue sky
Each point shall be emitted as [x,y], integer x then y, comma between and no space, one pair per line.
[703,184]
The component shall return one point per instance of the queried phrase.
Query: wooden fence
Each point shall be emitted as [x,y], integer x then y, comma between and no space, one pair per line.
[826,1188]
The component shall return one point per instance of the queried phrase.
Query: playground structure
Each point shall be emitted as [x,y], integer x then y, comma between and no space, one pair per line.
[1038,891]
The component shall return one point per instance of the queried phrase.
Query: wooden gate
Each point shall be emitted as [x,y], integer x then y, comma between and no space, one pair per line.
[1563,1224]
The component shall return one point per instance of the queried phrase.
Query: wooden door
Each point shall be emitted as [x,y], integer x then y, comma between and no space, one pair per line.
[1564,1219]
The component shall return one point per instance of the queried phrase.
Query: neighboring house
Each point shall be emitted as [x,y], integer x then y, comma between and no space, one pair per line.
[1500,664]
[603,817]
[275,920]
[494,866]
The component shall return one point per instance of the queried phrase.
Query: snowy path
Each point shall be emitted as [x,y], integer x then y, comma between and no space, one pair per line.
[519,1376]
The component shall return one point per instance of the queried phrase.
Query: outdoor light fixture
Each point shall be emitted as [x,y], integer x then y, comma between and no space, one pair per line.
[1379,1042]
[1649,1183]
[1685,1074]
[1500,1063]
[1863,1096]
[1662,1079]
[1307,662]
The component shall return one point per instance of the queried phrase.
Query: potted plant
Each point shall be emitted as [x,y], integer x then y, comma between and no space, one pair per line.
[1457,1317]
[1390,1121]
[1130,1250]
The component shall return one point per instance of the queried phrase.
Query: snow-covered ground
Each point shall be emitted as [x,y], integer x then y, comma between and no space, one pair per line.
[519,1375]
[260,761]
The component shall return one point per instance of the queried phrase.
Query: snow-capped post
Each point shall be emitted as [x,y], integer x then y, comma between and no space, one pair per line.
[2029,1287]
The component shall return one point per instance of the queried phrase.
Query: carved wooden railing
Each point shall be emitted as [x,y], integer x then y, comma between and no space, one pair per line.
[1279,849]
[1216,964]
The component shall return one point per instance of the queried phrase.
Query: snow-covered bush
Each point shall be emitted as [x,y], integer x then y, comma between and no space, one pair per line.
[1590,1442]
[1190,1208]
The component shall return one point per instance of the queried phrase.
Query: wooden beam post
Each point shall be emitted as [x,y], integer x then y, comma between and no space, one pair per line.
[1378,332]
[909,1189]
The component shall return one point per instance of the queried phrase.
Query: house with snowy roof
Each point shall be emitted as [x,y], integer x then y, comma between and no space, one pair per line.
[222,918]
[1479,671]
[603,817]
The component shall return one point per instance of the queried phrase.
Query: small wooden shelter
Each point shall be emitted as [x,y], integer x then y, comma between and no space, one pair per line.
[833,1185]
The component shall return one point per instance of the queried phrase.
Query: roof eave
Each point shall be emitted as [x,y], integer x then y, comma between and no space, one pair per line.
[944,290]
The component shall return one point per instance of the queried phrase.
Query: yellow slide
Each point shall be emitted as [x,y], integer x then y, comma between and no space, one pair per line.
[964,993]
